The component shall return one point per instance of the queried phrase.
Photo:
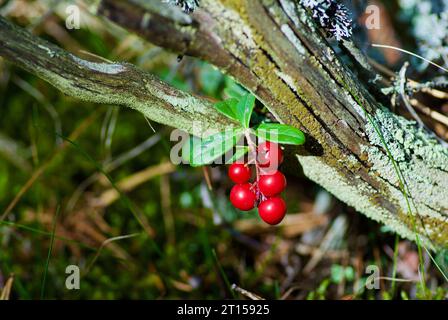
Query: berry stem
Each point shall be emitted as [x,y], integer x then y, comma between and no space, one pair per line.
[253,150]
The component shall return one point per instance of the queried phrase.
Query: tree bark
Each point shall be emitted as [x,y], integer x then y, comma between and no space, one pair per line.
[276,51]
[107,83]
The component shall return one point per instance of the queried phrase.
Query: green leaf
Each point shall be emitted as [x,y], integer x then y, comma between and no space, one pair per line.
[337,273]
[233,89]
[245,108]
[280,133]
[239,153]
[211,79]
[228,108]
[199,152]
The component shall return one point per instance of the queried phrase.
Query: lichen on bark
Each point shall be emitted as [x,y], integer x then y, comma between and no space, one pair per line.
[422,165]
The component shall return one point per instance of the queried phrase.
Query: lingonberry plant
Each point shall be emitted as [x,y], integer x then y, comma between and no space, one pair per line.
[239,173]
[268,183]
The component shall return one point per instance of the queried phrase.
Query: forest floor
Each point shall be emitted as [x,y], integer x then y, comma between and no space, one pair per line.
[171,236]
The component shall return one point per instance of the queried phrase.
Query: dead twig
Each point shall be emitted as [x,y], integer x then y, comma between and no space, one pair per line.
[414,84]
[246,293]
[437,116]
[404,97]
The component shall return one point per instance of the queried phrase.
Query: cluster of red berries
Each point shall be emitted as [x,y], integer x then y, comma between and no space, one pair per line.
[265,191]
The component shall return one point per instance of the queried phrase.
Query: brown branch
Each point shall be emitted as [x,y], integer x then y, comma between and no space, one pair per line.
[107,83]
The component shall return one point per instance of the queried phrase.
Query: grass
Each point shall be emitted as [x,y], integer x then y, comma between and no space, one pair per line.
[223,275]
[45,233]
[50,250]
[125,199]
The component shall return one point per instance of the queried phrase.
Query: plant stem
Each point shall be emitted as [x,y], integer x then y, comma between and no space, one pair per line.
[252,150]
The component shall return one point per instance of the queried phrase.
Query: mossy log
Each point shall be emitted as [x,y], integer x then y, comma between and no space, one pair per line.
[276,51]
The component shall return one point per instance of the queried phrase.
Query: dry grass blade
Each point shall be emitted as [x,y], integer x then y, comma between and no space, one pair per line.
[429,112]
[289,292]
[246,293]
[181,286]
[208,180]
[105,243]
[396,279]
[131,182]
[292,226]
[150,125]
[410,53]
[307,250]
[332,238]
[6,291]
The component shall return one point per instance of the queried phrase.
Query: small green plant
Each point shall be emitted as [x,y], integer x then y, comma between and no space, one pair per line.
[238,145]
[340,273]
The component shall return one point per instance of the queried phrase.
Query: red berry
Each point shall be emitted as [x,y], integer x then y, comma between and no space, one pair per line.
[269,154]
[272,184]
[242,197]
[272,210]
[239,173]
